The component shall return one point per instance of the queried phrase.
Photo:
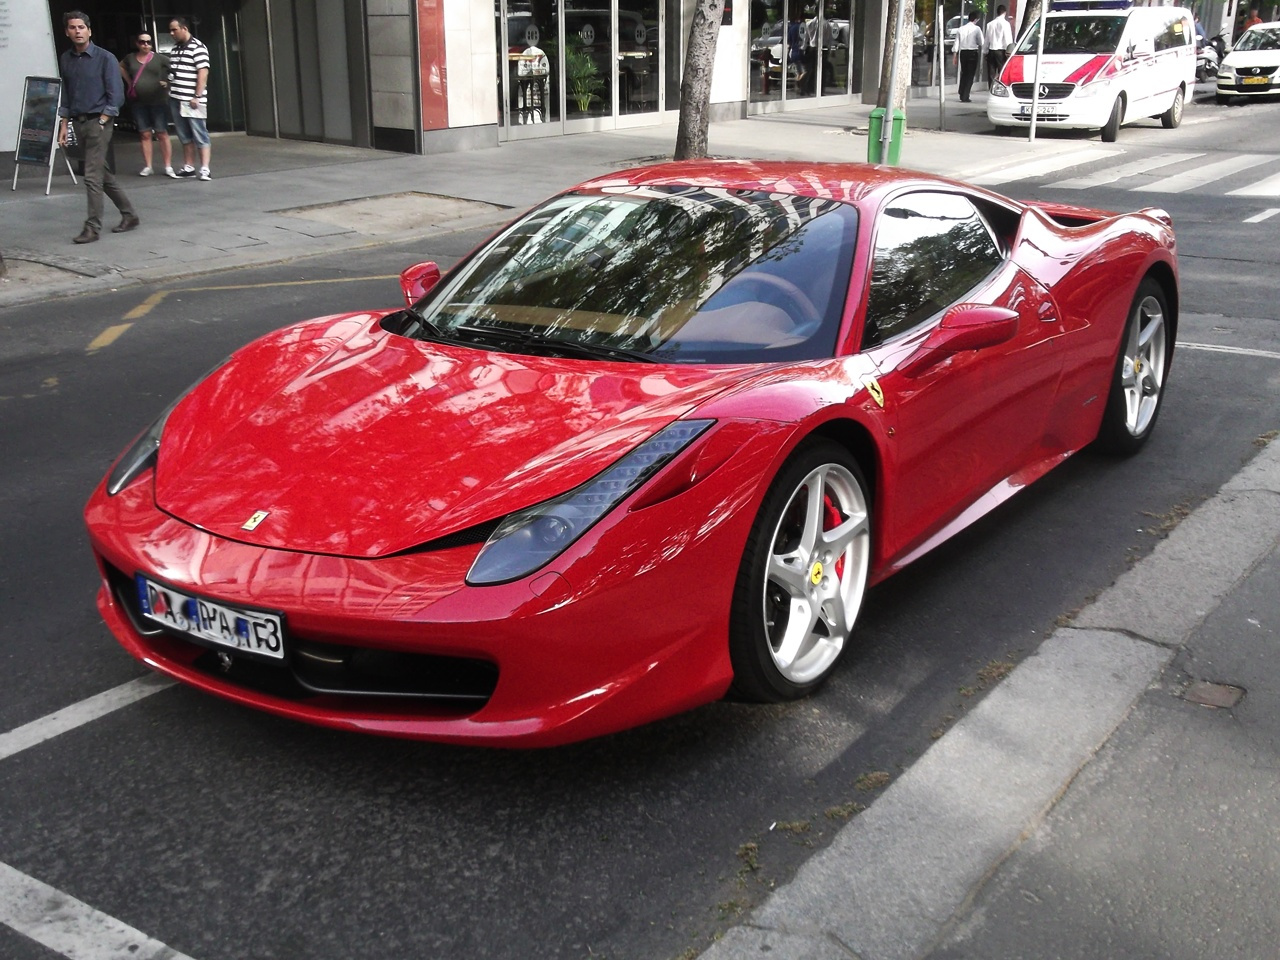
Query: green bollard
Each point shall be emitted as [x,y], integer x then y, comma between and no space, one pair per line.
[875,126]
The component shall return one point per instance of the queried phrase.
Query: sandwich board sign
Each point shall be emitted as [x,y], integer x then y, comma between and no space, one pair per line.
[38,128]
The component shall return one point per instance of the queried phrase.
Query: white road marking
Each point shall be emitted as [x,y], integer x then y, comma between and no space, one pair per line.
[1191,179]
[1270,187]
[78,714]
[1112,174]
[1264,215]
[70,927]
[1237,351]
[1045,165]
[1210,119]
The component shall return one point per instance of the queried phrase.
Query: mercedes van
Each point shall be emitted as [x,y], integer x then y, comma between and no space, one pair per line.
[1106,62]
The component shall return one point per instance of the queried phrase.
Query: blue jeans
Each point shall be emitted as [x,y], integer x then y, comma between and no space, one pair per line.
[188,128]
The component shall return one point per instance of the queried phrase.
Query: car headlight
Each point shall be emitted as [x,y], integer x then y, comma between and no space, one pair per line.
[141,455]
[531,538]
[998,89]
[1093,88]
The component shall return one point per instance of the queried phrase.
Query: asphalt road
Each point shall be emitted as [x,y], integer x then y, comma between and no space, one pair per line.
[226,833]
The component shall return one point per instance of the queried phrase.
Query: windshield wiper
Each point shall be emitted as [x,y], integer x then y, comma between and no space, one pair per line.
[418,327]
[541,341]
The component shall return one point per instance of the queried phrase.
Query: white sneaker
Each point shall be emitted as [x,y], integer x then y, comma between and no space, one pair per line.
[204,174]
[144,172]
[169,172]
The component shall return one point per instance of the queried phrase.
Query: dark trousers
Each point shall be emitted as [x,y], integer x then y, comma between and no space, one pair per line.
[97,178]
[968,70]
[995,63]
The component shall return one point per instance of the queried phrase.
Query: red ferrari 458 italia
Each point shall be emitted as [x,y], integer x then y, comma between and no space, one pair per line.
[647,446]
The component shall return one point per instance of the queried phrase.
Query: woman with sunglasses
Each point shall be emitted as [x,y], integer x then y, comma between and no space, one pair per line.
[146,87]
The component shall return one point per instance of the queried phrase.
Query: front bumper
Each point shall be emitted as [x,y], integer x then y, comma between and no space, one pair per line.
[1070,113]
[629,625]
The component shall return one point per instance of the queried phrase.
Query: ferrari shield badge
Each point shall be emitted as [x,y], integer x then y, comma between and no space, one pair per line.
[257,518]
[873,388]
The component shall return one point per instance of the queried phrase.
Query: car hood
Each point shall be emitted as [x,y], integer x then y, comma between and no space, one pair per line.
[1058,68]
[1245,59]
[358,442]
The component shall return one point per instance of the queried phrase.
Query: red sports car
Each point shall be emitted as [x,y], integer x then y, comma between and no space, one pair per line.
[646,446]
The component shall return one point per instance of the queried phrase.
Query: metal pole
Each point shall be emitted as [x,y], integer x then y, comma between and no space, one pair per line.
[1035,86]
[942,68]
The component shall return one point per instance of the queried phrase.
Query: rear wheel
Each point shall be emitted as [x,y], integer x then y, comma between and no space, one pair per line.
[1112,129]
[1137,385]
[803,576]
[1173,116]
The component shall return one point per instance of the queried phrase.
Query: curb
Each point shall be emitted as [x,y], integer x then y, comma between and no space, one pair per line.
[892,881]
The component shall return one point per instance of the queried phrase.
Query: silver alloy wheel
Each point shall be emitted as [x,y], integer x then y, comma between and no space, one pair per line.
[1143,366]
[817,572]
[1176,110]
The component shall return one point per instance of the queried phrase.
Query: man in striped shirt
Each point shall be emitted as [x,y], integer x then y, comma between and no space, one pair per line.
[189,96]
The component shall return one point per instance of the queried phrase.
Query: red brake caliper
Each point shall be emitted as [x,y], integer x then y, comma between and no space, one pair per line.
[833,519]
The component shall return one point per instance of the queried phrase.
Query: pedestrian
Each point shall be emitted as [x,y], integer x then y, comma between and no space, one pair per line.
[998,38]
[188,97]
[94,95]
[968,47]
[1253,17]
[146,88]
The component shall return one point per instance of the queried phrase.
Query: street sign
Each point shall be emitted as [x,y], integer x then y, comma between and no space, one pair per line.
[38,128]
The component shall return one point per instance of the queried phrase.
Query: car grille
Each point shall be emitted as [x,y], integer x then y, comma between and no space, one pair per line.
[1051,91]
[314,668]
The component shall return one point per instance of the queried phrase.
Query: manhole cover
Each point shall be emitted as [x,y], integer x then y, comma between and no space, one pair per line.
[393,212]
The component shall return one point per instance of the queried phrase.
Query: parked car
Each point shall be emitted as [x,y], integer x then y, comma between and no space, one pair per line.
[648,445]
[1252,68]
[1102,68]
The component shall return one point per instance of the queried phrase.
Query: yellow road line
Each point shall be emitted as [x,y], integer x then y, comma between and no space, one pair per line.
[146,306]
[107,337]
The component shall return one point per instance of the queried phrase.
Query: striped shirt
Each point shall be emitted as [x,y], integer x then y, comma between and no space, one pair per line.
[185,61]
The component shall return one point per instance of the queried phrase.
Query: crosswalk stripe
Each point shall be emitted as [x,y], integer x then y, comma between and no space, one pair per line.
[1270,187]
[1112,174]
[1043,166]
[1191,179]
[1264,215]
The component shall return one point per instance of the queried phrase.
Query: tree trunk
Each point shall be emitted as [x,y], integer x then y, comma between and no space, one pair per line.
[4,271]
[695,85]
[908,12]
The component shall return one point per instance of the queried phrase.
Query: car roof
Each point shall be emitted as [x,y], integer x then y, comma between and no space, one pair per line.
[849,182]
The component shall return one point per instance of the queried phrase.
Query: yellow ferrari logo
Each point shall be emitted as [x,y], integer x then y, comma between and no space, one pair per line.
[257,518]
[815,575]
[1137,366]
[873,388]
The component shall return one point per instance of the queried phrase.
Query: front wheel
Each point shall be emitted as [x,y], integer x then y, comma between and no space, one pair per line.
[802,577]
[1173,116]
[1137,385]
[1112,129]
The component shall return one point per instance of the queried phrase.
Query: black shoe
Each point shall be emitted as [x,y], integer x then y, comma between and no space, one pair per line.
[87,235]
[187,172]
[127,223]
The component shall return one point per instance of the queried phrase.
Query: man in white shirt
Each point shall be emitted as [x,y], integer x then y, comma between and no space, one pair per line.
[999,38]
[968,47]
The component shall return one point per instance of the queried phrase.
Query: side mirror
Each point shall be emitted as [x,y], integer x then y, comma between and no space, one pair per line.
[417,281]
[966,326]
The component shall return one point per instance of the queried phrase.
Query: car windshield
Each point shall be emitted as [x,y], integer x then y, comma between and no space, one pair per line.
[1256,39]
[678,274]
[1097,34]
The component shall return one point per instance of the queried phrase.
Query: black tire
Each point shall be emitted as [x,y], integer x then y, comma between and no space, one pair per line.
[1173,116]
[1141,373]
[1112,129]
[801,584]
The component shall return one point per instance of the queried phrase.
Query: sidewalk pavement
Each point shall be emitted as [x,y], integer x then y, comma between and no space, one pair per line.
[1090,806]
[275,200]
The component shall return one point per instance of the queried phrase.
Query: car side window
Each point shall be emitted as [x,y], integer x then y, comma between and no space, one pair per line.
[1174,34]
[930,249]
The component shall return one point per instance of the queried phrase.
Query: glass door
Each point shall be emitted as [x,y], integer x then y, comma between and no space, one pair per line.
[529,68]
[638,27]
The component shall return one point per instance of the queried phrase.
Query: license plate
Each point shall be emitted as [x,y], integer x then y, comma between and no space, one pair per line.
[1251,81]
[251,631]
[1024,110]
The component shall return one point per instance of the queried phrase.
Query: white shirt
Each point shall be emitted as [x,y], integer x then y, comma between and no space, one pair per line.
[999,35]
[969,37]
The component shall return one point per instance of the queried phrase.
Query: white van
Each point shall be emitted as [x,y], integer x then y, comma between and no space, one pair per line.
[1106,63]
